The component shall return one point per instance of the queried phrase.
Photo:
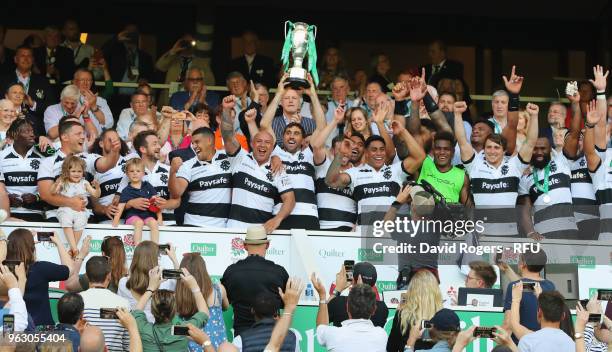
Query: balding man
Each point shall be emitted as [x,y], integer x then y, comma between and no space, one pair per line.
[92,340]
[556,120]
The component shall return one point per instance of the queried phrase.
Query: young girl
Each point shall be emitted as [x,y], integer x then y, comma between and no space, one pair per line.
[72,183]
[139,189]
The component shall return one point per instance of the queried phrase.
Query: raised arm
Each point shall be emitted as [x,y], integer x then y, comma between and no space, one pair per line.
[532,133]
[414,160]
[155,279]
[197,292]
[266,120]
[315,105]
[515,316]
[109,161]
[513,87]
[318,138]
[570,147]
[436,115]
[379,119]
[592,122]
[465,147]
[602,107]
[227,125]
[335,178]
[322,313]
[290,298]
[65,258]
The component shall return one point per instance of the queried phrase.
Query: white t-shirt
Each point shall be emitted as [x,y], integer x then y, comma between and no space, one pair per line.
[547,340]
[354,335]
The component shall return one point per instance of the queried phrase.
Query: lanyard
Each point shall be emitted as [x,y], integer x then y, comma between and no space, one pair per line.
[544,187]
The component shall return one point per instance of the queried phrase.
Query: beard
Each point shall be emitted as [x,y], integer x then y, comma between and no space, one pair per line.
[540,164]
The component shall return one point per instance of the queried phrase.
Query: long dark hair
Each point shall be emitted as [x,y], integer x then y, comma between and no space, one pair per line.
[194,263]
[97,149]
[113,248]
[20,246]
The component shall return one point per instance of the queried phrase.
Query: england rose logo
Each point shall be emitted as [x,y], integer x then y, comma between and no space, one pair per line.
[128,240]
[34,164]
[237,247]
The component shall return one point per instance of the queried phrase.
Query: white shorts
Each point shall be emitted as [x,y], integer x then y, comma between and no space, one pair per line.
[68,217]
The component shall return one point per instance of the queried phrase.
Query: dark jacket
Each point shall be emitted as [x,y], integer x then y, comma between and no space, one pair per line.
[8,65]
[262,69]
[40,91]
[338,314]
[115,54]
[397,338]
[244,280]
[64,62]
[257,337]
[451,69]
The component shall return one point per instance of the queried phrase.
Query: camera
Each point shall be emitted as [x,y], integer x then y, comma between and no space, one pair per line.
[484,332]
[171,274]
[44,236]
[180,330]
[108,313]
[186,44]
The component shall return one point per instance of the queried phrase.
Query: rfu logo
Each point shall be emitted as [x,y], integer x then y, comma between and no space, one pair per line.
[35,164]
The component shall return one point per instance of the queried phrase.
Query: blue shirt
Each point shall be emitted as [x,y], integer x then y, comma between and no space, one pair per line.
[179,99]
[146,190]
[70,334]
[529,304]
[36,294]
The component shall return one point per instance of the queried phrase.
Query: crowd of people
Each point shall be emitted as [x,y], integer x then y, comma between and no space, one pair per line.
[75,155]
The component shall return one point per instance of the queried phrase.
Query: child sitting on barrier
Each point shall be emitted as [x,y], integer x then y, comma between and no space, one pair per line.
[137,188]
[72,183]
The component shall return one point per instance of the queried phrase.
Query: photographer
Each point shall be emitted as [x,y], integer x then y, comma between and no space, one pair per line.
[421,205]
[443,333]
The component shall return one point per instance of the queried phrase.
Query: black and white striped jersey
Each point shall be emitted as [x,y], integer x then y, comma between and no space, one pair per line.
[210,190]
[337,208]
[256,194]
[20,174]
[602,184]
[583,193]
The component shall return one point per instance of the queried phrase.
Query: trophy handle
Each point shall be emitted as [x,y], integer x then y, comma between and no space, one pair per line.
[314,32]
[286,23]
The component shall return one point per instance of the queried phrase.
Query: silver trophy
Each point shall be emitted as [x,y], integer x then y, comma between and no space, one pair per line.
[299,42]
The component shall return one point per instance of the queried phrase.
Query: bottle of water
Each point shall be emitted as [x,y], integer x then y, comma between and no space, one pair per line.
[309,293]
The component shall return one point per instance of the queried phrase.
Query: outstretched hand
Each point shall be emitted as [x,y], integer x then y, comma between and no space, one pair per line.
[514,84]
[600,78]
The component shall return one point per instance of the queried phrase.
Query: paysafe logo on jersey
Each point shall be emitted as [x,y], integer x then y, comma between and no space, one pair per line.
[205,249]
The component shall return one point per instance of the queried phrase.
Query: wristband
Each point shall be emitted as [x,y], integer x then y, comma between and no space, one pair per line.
[601,91]
[589,125]
[601,96]
[322,301]
[195,290]
[430,104]
[397,205]
[149,290]
[287,313]
[400,108]
[513,102]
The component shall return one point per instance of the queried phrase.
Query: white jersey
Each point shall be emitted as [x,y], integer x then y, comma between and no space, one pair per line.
[555,218]
[110,180]
[158,178]
[337,208]
[210,190]
[299,166]
[374,191]
[602,183]
[51,168]
[495,191]
[583,194]
[19,176]
[256,191]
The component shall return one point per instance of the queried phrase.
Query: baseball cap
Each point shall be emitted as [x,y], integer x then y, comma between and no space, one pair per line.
[422,201]
[446,320]
[367,271]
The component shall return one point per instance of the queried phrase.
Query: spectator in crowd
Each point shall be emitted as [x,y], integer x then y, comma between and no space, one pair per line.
[550,312]
[33,41]
[443,333]
[19,163]
[587,91]
[214,293]
[481,275]
[253,66]
[380,67]
[99,276]
[16,94]
[359,82]
[7,65]
[53,60]
[259,102]
[37,93]
[69,106]
[134,286]
[337,208]
[7,116]
[372,93]
[195,92]
[530,265]
[357,122]
[266,310]
[92,340]
[81,52]
[21,247]
[138,108]
[521,128]
[126,62]
[289,100]
[363,273]
[158,335]
[72,141]
[136,127]
[290,298]
[339,98]
[237,86]
[70,316]
[207,206]
[177,61]
[248,277]
[358,332]
[14,284]
[423,300]
[393,176]
[253,181]
[441,67]
[556,120]
[499,105]
[332,67]
[98,106]
[559,139]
